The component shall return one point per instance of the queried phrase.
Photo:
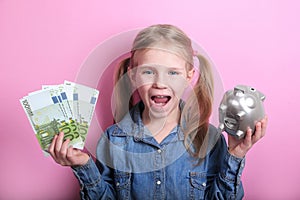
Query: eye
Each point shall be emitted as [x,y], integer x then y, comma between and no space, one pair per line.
[147,71]
[173,73]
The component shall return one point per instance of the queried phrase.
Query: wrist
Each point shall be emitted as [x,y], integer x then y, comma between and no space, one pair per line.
[83,166]
[236,153]
[85,160]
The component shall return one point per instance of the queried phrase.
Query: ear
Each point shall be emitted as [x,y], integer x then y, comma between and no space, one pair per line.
[190,75]
[131,75]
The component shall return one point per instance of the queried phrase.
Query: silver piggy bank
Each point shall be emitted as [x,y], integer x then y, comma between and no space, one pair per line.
[239,109]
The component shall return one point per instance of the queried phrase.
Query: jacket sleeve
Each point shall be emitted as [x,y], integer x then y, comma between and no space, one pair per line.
[95,181]
[227,170]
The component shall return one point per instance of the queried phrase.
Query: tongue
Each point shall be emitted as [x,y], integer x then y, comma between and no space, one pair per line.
[160,100]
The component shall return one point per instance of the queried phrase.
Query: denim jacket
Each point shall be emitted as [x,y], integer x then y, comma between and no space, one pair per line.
[131,164]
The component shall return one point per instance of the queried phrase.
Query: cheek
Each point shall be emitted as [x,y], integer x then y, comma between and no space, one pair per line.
[178,84]
[143,81]
[178,91]
[183,88]
[143,90]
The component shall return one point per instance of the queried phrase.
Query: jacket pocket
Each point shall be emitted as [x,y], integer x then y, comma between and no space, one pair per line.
[197,186]
[122,184]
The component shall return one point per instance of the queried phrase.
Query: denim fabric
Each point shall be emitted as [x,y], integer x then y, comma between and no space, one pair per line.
[132,165]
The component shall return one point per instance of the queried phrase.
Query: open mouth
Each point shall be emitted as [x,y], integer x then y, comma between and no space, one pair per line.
[160,99]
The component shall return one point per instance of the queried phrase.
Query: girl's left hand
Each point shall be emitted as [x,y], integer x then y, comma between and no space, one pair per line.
[239,148]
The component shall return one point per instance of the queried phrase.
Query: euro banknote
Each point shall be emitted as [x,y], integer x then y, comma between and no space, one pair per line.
[84,102]
[60,108]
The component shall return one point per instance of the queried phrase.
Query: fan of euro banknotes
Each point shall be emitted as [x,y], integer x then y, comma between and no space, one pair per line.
[66,107]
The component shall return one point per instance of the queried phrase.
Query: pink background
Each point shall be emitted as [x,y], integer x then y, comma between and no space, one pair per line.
[251,42]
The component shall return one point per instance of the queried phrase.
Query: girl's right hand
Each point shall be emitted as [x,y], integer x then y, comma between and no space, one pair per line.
[65,155]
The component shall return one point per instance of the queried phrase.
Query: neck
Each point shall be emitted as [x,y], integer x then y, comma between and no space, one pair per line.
[161,126]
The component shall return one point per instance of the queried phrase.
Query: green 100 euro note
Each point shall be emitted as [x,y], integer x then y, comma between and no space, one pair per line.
[56,109]
[84,100]
[47,119]
[66,107]
[77,101]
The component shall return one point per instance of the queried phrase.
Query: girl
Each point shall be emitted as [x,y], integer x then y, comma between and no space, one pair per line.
[162,145]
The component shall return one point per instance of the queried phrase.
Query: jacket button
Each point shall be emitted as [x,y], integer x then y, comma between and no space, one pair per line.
[158,182]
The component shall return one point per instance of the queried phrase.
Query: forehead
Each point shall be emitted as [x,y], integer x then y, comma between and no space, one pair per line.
[158,56]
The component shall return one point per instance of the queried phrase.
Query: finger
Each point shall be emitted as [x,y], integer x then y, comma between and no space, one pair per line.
[58,143]
[258,132]
[51,147]
[63,149]
[248,138]
[70,155]
[264,124]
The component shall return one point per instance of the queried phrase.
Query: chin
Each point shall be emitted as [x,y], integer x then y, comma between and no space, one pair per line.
[158,114]
[164,111]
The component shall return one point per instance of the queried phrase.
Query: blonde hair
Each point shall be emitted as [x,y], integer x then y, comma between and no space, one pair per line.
[164,36]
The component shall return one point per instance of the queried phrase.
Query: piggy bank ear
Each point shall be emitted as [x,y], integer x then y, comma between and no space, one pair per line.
[261,95]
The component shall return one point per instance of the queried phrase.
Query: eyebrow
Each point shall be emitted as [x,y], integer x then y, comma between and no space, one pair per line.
[154,65]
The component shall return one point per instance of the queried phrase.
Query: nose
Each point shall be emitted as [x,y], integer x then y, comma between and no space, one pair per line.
[160,81]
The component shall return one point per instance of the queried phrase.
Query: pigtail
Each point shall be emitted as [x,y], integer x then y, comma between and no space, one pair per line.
[199,107]
[122,96]
[206,79]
